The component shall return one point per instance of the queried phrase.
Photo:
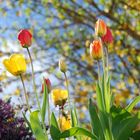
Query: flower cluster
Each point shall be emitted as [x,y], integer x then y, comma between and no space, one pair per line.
[104,36]
[11,127]
[105,117]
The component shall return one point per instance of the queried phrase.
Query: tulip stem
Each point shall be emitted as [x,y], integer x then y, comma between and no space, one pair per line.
[106,53]
[98,63]
[33,76]
[25,93]
[48,110]
[67,85]
[34,85]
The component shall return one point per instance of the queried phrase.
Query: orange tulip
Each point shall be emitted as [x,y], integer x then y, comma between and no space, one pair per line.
[96,49]
[25,38]
[100,28]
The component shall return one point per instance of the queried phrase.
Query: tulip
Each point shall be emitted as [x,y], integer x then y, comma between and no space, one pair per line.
[64,123]
[48,84]
[62,65]
[59,96]
[25,38]
[107,38]
[96,49]
[16,64]
[100,28]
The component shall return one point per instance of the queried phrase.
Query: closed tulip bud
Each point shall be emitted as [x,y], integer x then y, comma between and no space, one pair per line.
[64,123]
[100,28]
[48,84]
[96,49]
[25,38]
[107,38]
[59,96]
[62,65]
[16,64]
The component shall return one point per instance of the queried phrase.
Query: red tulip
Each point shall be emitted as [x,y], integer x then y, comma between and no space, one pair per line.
[100,28]
[25,38]
[48,84]
[96,49]
[107,38]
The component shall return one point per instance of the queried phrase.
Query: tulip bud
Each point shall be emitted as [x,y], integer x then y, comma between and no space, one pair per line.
[100,28]
[59,96]
[25,38]
[96,49]
[62,65]
[107,38]
[48,85]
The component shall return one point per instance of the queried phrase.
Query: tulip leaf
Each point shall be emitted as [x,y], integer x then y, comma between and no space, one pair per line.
[133,103]
[123,123]
[95,122]
[54,129]
[100,98]
[26,120]
[36,126]
[45,101]
[74,121]
[136,135]
[74,118]
[77,131]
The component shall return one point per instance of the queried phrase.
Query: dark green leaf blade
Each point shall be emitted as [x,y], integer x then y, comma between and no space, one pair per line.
[77,131]
[54,129]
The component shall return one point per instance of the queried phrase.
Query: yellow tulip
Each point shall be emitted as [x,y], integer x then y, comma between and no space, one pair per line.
[64,123]
[15,64]
[59,96]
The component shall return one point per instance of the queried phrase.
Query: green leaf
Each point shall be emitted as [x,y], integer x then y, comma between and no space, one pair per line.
[28,123]
[100,98]
[36,126]
[77,131]
[123,123]
[95,122]
[136,135]
[74,118]
[105,93]
[133,103]
[45,102]
[54,130]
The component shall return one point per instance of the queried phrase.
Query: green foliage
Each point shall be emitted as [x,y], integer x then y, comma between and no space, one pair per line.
[45,102]
[95,122]
[36,126]
[123,123]
[54,129]
[132,104]
[77,131]
[74,118]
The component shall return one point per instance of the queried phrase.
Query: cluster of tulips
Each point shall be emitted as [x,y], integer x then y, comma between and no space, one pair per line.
[108,122]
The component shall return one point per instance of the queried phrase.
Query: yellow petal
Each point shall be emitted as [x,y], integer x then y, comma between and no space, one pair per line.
[9,66]
[16,64]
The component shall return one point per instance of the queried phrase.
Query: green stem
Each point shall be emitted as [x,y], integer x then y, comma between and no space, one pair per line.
[106,53]
[48,110]
[25,93]
[105,78]
[33,77]
[34,85]
[67,86]
[99,77]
